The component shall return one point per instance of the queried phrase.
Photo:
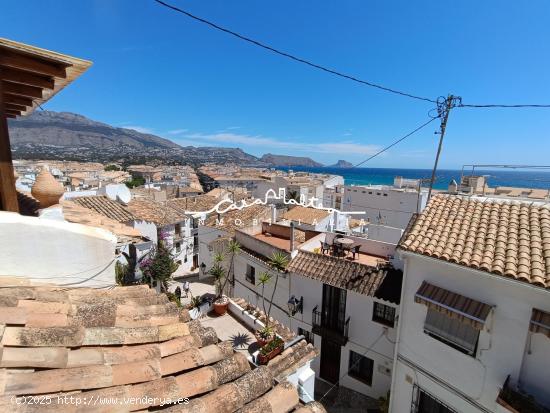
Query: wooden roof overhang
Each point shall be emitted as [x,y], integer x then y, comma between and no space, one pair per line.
[29,76]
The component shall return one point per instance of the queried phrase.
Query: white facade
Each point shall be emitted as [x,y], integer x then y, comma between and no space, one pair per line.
[384,205]
[369,338]
[178,238]
[505,348]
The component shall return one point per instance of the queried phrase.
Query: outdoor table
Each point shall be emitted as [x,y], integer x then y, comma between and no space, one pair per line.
[346,242]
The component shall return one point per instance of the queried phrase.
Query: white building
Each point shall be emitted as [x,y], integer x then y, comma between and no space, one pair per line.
[383,204]
[156,219]
[474,330]
[348,307]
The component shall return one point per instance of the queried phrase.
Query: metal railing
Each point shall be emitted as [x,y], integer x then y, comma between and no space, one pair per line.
[338,332]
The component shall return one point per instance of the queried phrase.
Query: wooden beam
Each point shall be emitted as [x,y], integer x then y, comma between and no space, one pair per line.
[12,112]
[13,106]
[21,61]
[22,90]
[8,194]
[28,78]
[17,100]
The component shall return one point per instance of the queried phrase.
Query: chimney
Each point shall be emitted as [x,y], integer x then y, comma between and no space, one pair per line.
[291,236]
[273,213]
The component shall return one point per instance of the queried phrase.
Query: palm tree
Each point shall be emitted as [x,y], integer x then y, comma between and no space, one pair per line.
[278,262]
[218,272]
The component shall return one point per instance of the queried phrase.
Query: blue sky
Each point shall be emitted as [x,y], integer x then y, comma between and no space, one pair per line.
[158,71]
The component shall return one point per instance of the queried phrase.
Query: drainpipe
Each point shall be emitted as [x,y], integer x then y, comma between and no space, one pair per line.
[273,213]
[291,236]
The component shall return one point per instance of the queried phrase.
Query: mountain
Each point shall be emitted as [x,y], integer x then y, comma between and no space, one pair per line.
[286,160]
[342,164]
[70,129]
[63,135]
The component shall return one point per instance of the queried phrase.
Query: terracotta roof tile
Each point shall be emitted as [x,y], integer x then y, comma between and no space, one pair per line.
[349,275]
[96,358]
[507,238]
[305,215]
[161,213]
[106,207]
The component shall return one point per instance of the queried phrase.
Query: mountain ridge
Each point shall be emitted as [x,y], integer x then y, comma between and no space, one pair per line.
[71,136]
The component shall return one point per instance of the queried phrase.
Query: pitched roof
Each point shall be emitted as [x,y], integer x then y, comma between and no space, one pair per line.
[106,207]
[194,203]
[131,348]
[306,215]
[239,218]
[160,213]
[77,214]
[341,273]
[511,239]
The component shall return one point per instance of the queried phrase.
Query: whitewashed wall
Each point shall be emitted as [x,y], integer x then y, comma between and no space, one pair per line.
[56,252]
[503,344]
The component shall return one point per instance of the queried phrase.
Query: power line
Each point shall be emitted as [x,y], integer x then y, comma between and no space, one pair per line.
[290,56]
[396,142]
[503,106]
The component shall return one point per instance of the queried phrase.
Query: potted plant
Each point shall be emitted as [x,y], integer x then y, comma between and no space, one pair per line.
[222,276]
[270,350]
[264,335]
[278,262]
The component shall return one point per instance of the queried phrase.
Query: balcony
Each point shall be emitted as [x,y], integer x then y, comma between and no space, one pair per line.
[337,332]
[515,400]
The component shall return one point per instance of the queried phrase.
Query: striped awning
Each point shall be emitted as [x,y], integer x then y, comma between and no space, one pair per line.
[540,322]
[453,305]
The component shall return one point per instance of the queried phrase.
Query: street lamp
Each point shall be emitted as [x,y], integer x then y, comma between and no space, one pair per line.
[295,305]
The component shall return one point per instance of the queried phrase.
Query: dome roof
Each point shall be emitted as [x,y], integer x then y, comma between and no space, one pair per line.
[46,189]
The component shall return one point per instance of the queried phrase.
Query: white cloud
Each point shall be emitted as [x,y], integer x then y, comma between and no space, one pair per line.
[177,131]
[140,129]
[270,144]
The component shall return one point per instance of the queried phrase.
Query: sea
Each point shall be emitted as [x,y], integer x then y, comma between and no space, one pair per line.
[539,179]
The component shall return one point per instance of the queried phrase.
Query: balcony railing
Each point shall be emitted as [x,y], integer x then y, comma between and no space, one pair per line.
[515,400]
[337,332]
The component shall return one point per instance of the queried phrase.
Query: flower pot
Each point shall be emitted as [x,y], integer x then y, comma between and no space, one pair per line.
[264,358]
[263,341]
[220,308]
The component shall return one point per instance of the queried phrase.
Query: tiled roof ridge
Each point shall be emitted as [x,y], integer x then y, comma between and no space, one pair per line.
[507,238]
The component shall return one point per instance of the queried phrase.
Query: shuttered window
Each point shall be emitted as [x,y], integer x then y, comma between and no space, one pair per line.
[451,331]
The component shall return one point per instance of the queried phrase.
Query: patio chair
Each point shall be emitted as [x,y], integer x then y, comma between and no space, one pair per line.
[325,247]
[337,250]
[355,250]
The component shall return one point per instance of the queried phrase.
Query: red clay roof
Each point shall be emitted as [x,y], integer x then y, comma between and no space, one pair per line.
[511,239]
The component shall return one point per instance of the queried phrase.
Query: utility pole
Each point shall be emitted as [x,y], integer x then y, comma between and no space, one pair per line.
[444,107]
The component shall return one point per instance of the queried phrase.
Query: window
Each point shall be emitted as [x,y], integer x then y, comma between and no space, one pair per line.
[250,274]
[385,194]
[308,335]
[426,403]
[370,192]
[360,367]
[178,247]
[178,230]
[452,332]
[383,314]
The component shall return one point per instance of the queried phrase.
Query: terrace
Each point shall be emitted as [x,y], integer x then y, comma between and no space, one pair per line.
[350,248]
